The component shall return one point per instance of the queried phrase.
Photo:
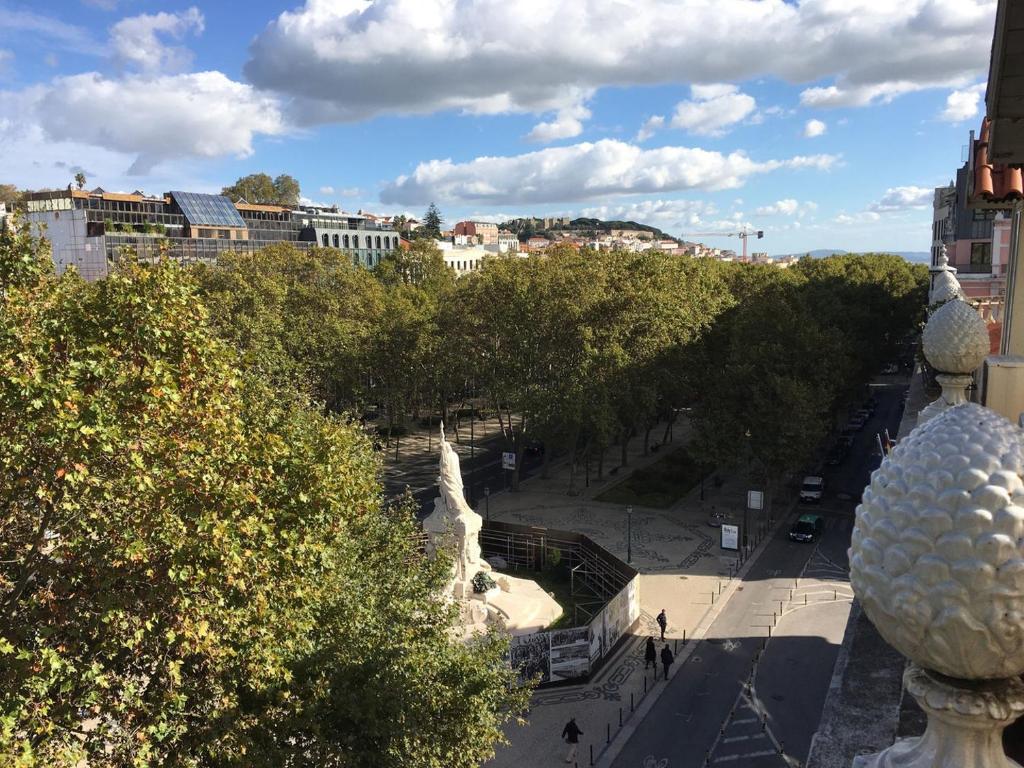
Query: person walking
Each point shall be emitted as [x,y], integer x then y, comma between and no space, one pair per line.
[663,623]
[667,658]
[571,733]
[650,655]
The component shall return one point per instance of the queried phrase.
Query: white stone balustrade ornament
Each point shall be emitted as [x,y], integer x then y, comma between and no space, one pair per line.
[937,561]
[945,287]
[956,342]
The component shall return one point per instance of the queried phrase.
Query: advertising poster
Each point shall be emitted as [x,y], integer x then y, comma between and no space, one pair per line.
[633,600]
[530,654]
[570,653]
[616,619]
[597,637]
[730,536]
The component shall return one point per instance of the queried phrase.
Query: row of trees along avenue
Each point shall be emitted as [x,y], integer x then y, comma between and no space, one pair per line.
[583,351]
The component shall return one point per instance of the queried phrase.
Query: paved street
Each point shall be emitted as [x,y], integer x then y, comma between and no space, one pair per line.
[743,698]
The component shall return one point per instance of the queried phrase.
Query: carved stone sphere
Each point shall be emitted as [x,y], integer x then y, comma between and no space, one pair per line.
[956,338]
[937,556]
[946,288]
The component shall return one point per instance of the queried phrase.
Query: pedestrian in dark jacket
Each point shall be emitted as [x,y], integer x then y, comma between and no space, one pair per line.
[662,622]
[667,658]
[650,654]
[571,733]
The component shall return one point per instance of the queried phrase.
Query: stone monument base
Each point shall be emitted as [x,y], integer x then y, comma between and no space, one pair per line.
[966,720]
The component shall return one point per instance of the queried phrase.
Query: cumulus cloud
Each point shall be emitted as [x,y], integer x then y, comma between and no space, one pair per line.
[353,59]
[583,171]
[904,198]
[661,213]
[328,190]
[787,207]
[814,128]
[203,114]
[140,41]
[650,127]
[567,123]
[864,217]
[713,109]
[963,104]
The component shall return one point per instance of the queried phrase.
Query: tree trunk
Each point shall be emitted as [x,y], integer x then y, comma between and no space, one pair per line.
[625,446]
[573,462]
[545,465]
[668,427]
[647,437]
[600,463]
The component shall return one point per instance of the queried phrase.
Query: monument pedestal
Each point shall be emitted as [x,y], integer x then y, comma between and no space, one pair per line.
[966,720]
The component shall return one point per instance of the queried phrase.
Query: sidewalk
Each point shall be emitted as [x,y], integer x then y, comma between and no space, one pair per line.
[683,570]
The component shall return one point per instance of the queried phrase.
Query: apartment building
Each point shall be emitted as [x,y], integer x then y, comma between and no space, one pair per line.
[92,230]
[483,232]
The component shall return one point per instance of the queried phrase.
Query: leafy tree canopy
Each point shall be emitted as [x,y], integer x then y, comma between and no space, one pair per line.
[259,188]
[197,569]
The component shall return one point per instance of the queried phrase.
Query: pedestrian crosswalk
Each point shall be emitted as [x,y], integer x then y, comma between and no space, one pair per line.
[746,740]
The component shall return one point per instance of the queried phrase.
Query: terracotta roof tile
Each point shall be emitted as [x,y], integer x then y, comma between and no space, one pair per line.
[993,182]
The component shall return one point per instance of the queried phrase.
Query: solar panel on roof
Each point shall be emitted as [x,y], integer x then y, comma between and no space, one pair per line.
[208,210]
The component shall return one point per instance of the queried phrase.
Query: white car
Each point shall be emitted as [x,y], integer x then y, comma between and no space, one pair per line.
[812,489]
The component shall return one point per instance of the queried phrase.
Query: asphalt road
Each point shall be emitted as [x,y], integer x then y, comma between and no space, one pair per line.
[707,712]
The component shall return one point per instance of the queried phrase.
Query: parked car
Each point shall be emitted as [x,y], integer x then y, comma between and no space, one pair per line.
[807,528]
[863,413]
[855,423]
[890,368]
[847,438]
[812,488]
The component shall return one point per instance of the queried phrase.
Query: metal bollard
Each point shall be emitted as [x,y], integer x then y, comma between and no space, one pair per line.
[608,734]
[774,619]
[805,598]
[645,680]
[620,717]
[780,607]
[782,747]
[769,632]
[675,646]
[835,594]
[630,701]
[684,637]
[591,754]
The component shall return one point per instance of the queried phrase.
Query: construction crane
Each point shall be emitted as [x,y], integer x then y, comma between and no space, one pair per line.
[742,235]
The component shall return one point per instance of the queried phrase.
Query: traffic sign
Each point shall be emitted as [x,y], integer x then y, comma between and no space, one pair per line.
[508,460]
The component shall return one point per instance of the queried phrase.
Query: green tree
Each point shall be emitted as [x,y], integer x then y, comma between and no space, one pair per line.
[80,180]
[197,569]
[9,194]
[300,317]
[260,188]
[431,226]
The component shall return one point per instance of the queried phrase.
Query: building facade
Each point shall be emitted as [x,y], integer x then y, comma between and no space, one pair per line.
[483,232]
[93,230]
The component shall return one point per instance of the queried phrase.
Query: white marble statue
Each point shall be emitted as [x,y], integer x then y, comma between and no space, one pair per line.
[453,526]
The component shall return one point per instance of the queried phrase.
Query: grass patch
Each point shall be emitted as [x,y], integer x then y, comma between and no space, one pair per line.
[660,484]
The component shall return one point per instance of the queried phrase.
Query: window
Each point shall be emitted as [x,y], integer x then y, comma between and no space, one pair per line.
[345,240]
[387,242]
[378,241]
[337,241]
[981,254]
[326,241]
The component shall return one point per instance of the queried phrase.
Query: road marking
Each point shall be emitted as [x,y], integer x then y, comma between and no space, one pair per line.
[746,720]
[731,739]
[746,756]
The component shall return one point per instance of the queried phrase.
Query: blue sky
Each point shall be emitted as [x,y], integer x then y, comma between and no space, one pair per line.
[826,123]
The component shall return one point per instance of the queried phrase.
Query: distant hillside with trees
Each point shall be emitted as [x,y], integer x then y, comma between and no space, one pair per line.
[583,226]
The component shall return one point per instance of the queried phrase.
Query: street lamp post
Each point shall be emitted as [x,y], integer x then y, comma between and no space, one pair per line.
[629,534]
[487,502]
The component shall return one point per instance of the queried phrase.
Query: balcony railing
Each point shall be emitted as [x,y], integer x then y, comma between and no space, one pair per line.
[990,307]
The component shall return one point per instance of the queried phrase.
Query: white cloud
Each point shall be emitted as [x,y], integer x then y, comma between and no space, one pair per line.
[203,114]
[6,57]
[675,214]
[37,27]
[347,192]
[352,59]
[863,217]
[787,207]
[650,126]
[814,128]
[904,198]
[136,41]
[713,109]
[963,104]
[567,123]
[583,171]
[328,190]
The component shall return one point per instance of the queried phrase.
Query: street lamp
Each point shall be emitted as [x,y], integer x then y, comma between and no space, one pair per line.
[629,534]
[487,502]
